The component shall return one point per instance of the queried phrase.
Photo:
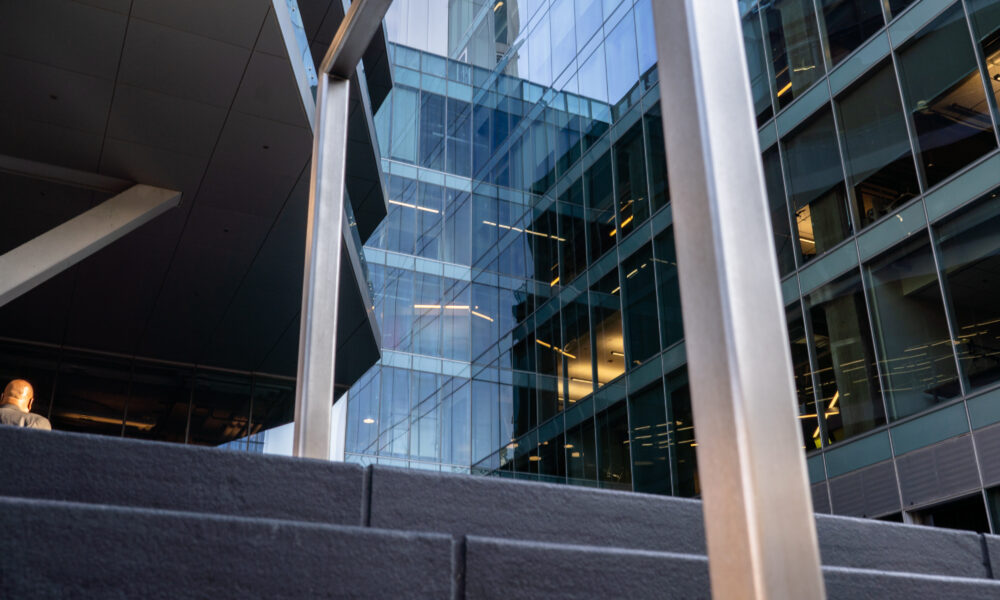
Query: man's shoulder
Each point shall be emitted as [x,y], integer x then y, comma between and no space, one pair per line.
[37,421]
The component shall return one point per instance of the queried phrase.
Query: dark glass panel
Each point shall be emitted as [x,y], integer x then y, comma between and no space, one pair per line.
[630,177]
[849,23]
[898,6]
[606,319]
[273,404]
[795,50]
[485,419]
[917,363]
[877,146]
[572,233]
[549,355]
[614,464]
[779,212]
[816,186]
[753,41]
[849,397]
[220,409]
[642,340]
[668,289]
[543,236]
[649,439]
[944,92]
[456,437]
[552,455]
[969,243]
[657,150]
[808,419]
[685,467]
[525,405]
[600,207]
[91,394]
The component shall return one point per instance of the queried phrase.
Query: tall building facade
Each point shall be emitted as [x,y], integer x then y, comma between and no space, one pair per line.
[525,280]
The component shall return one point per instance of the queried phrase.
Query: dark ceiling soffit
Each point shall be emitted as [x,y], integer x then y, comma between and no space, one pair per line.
[63,176]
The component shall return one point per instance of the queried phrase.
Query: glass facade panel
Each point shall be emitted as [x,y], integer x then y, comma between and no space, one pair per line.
[642,338]
[613,457]
[816,186]
[685,458]
[850,397]
[848,24]
[753,40]
[796,59]
[969,255]
[808,417]
[916,360]
[985,15]
[649,440]
[668,289]
[599,196]
[656,150]
[783,244]
[877,146]
[897,6]
[945,96]
[630,178]
[606,319]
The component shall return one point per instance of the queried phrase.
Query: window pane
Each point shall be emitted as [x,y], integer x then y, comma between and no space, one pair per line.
[614,466]
[630,176]
[432,125]
[657,150]
[850,398]
[622,59]
[877,147]
[849,23]
[944,92]
[609,347]
[668,289]
[808,419]
[816,186]
[795,50]
[683,435]
[600,207]
[572,233]
[649,440]
[969,255]
[581,448]
[985,16]
[898,6]
[404,124]
[578,367]
[918,367]
[643,339]
[779,212]
[753,41]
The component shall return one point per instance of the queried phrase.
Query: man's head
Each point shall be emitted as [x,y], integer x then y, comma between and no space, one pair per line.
[19,393]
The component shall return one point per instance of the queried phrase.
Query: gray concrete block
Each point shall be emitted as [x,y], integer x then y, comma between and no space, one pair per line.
[101,470]
[64,550]
[504,569]
[868,544]
[856,584]
[500,508]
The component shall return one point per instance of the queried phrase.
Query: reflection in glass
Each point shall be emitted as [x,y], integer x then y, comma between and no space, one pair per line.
[877,146]
[606,316]
[572,233]
[944,92]
[630,177]
[656,149]
[849,23]
[898,6]
[682,435]
[808,418]
[795,51]
[753,41]
[577,368]
[581,447]
[613,458]
[985,15]
[668,289]
[600,207]
[642,338]
[649,440]
[917,364]
[779,212]
[969,244]
[849,394]
[816,186]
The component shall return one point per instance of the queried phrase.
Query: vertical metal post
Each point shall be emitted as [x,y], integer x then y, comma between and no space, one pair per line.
[759,520]
[318,329]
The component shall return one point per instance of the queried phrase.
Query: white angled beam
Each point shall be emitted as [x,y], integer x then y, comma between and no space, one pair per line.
[54,251]
[314,388]
[758,513]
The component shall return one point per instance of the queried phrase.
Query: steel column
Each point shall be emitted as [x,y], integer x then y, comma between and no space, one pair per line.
[318,329]
[759,519]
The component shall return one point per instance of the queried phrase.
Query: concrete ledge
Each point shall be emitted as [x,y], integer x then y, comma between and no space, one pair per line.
[63,550]
[101,470]
[862,584]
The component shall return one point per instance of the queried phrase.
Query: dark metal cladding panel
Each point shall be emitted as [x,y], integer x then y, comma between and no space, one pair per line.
[988,447]
[940,471]
[867,492]
[821,499]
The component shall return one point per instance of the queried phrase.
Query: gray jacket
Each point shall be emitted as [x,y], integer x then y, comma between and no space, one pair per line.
[12,415]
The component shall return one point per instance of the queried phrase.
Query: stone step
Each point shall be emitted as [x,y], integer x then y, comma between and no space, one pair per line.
[55,549]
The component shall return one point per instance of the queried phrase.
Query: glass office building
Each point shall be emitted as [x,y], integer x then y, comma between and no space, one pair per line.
[525,279]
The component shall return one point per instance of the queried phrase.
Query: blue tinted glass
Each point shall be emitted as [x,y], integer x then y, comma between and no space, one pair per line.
[588,20]
[645,35]
[563,35]
[593,77]
[622,60]
[539,50]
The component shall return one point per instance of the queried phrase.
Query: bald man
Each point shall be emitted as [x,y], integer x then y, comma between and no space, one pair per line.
[15,406]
